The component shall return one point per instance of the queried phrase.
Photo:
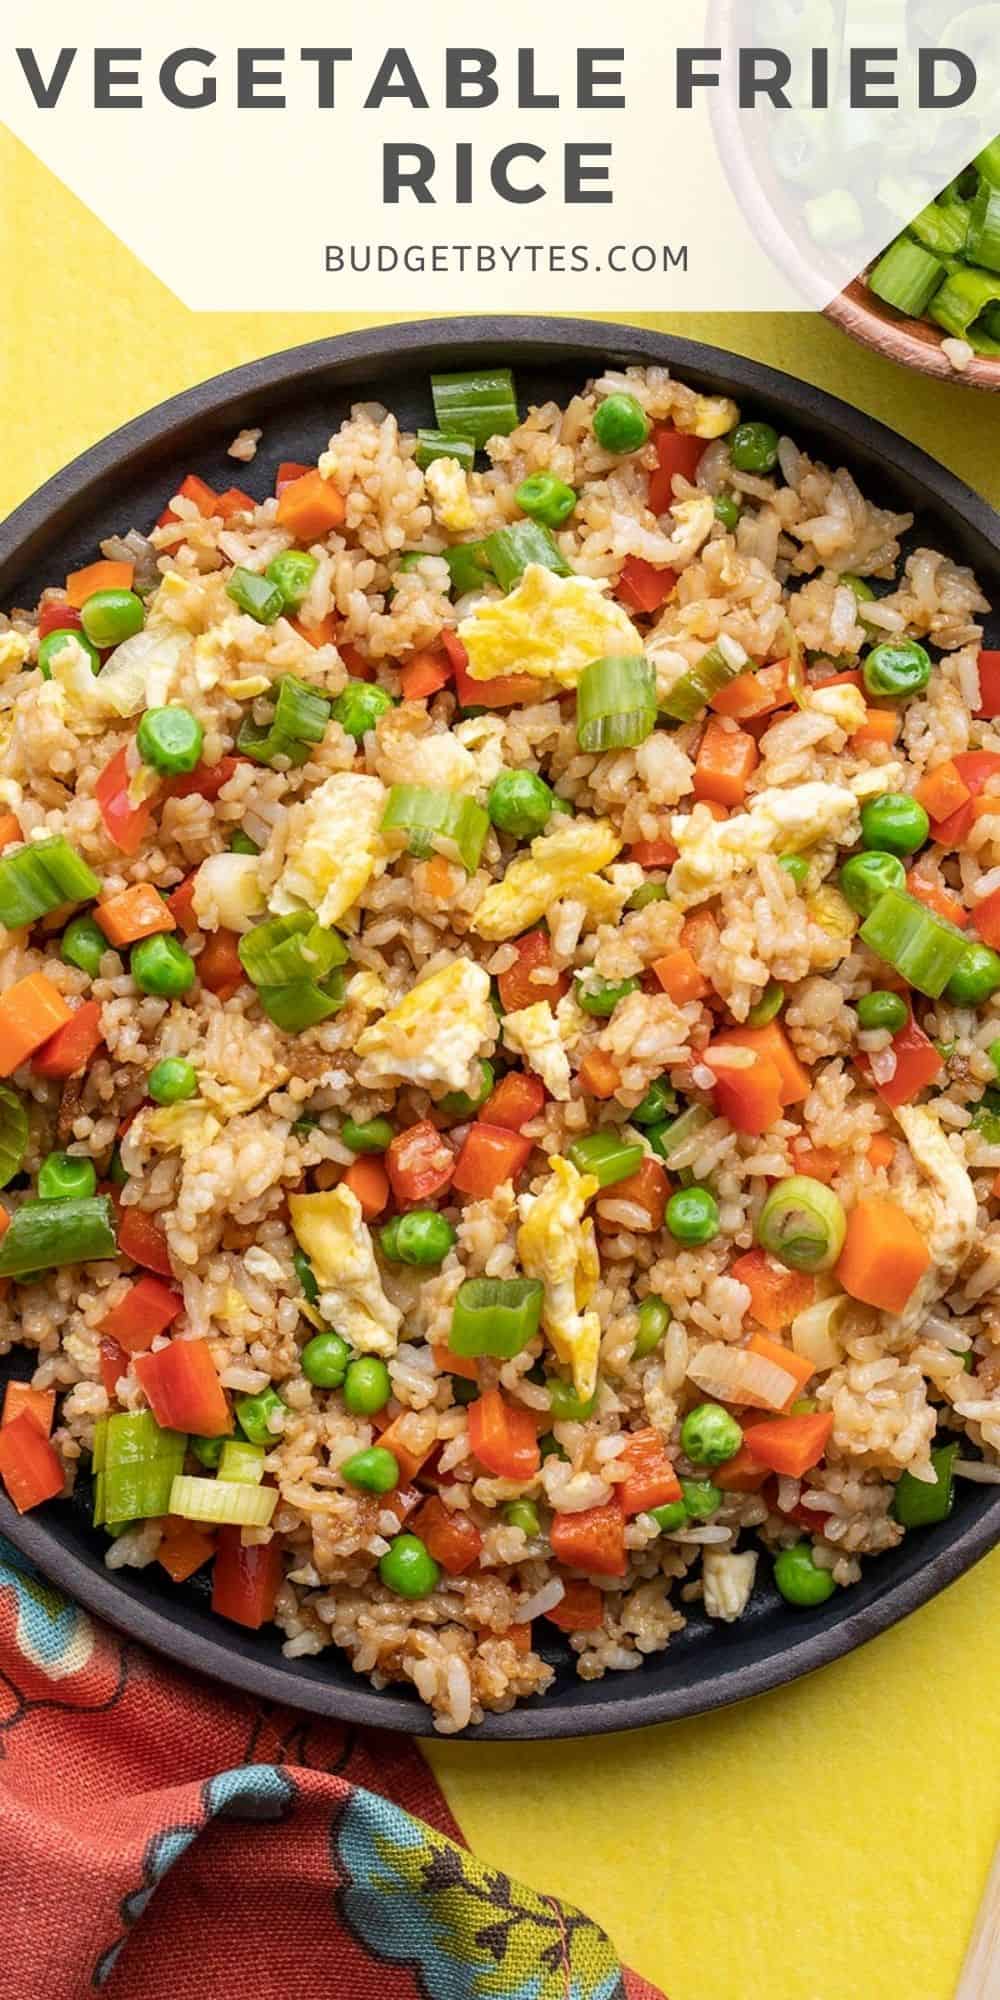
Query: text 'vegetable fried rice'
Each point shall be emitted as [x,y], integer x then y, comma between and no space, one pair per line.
[609,949]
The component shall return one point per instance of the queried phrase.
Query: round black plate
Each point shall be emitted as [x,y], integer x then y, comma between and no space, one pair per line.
[299,398]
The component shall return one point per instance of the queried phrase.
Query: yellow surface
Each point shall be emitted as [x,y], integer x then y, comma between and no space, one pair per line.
[826,1843]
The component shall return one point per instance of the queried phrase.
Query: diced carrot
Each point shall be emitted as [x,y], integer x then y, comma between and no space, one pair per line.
[772,1042]
[754,694]
[599,1075]
[937,899]
[518,1636]
[776,1295]
[147,1309]
[125,823]
[679,976]
[464,1365]
[310,507]
[784,1357]
[821,1163]
[235,501]
[501,692]
[517,1098]
[741,1473]
[918,1062]
[367,1179]
[31,1012]
[246,1580]
[650,1477]
[420,1163]
[10,829]
[20,1399]
[676,452]
[942,791]
[881,1152]
[884,1256]
[183,1548]
[976,768]
[580,1608]
[114,1363]
[181,1385]
[986,917]
[289,470]
[410,1462]
[450,1535]
[504,1436]
[851,677]
[439,878]
[989,684]
[490,1155]
[142,1241]
[72,1047]
[881,725]
[518,985]
[30,1467]
[790,1446]
[82,583]
[219,966]
[424,674]
[136,912]
[205,781]
[643,587]
[995,1189]
[749,1098]
[726,760]
[325,634]
[58,617]
[593,1540]
[653,853]
[648,1188]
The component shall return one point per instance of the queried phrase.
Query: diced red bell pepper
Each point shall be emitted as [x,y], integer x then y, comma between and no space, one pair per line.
[643,587]
[490,1155]
[676,451]
[424,674]
[790,1445]
[180,903]
[651,1479]
[989,684]
[113,1364]
[184,1548]
[235,501]
[181,1385]
[450,1536]
[986,917]
[420,1163]
[648,1189]
[30,1467]
[147,1309]
[357,666]
[975,768]
[124,822]
[501,692]
[72,1047]
[917,1065]
[288,471]
[749,1098]
[220,967]
[653,853]
[142,1241]
[518,987]
[504,1436]
[593,1540]
[58,618]
[246,1581]
[20,1400]
[192,488]
[206,779]
[580,1608]
[937,899]
[516,1100]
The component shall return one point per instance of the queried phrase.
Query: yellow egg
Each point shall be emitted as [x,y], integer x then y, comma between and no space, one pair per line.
[550,627]
[562,863]
[435,1035]
[331,1229]
[556,1244]
[333,849]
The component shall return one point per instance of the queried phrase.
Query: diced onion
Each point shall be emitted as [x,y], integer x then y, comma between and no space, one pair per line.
[123,684]
[736,1375]
[814,1331]
[227,892]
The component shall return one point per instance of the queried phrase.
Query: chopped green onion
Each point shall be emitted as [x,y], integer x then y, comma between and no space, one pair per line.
[439,820]
[242,1461]
[208,1451]
[647,892]
[39,878]
[668,1139]
[288,948]
[921,947]
[13,1134]
[943,228]
[616,703]
[984,229]
[301,715]
[659,1103]
[803,1224]
[495,1316]
[692,692]
[469,567]
[546,499]
[48,1233]
[256,594]
[918,1503]
[478,405]
[241,843]
[436,444]
[960,304]
[770,1003]
[601,996]
[907,277]
[607,1155]
[229,1503]
[510,550]
[988,163]
[136,1464]
[303,1003]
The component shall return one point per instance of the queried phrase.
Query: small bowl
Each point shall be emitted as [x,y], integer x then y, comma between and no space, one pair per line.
[912,343]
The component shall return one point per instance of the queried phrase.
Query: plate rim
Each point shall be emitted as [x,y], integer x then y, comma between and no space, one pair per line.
[55,505]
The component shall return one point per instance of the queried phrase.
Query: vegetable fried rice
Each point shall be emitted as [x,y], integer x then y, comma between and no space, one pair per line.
[500,1019]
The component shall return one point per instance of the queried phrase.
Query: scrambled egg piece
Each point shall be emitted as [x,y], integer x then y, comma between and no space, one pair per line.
[695,520]
[178,1128]
[14,651]
[334,848]
[844,705]
[435,1035]
[483,737]
[712,852]
[711,417]
[562,863]
[533,1032]
[728,1581]
[556,1243]
[332,1231]
[448,487]
[227,893]
[951,1229]
[410,751]
[550,627]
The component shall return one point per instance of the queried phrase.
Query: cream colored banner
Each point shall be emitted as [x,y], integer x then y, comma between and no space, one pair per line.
[430,158]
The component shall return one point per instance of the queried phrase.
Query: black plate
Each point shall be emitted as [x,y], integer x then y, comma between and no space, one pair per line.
[299,397]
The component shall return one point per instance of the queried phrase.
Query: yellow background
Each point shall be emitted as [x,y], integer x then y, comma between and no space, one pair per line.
[829,1842]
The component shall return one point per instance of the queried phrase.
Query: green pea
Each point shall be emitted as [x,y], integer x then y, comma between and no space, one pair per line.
[109,616]
[654,1320]
[754,447]
[161,966]
[367,1386]
[465,1103]
[671,1516]
[894,823]
[359,707]
[172,1081]
[768,1006]
[727,510]
[293,573]
[796,866]
[620,424]
[898,667]
[659,1102]
[374,1470]
[799,1578]
[325,1359]
[701,1498]
[994,1055]
[253,1415]
[304,1274]
[66,1177]
[84,944]
[523,1514]
[866,877]
[408,1568]
[520,803]
[241,843]
[375,1135]
[565,1406]
[421,1237]
[54,643]
[882,1010]
[170,740]
[693,1215]
[207,1451]
[546,498]
[601,996]
[975,978]
[709,1435]
[647,892]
